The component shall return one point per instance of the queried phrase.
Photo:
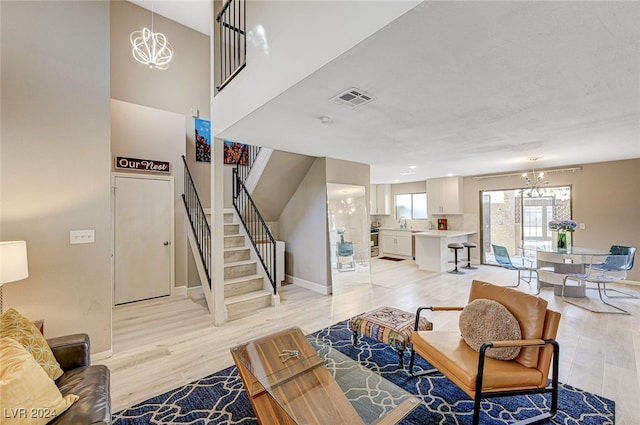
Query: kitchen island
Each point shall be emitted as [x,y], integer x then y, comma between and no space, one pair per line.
[432,252]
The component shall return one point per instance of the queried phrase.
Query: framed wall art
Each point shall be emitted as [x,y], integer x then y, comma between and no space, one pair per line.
[234,153]
[203,140]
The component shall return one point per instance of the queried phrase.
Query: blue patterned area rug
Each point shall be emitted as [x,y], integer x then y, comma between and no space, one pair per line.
[221,399]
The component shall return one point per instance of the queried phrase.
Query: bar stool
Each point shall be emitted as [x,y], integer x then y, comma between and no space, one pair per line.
[455,246]
[469,245]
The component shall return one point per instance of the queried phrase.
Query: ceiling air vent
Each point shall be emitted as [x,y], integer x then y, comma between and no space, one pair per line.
[352,98]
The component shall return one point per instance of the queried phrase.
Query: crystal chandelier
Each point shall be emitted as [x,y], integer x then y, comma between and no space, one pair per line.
[151,48]
[535,181]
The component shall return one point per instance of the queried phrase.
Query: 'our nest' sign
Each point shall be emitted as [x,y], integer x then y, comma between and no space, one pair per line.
[124,163]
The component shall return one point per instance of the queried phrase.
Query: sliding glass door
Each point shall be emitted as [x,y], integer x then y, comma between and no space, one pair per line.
[520,222]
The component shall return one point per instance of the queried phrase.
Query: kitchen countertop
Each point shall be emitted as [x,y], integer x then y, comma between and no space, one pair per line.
[432,233]
[445,233]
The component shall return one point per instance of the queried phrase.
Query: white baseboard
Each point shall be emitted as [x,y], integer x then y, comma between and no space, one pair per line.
[195,291]
[312,286]
[101,355]
[179,290]
[188,291]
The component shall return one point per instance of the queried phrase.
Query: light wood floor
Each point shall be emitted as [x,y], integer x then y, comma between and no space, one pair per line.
[164,343]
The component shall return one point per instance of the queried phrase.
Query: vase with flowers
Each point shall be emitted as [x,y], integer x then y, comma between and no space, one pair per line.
[563,227]
[341,232]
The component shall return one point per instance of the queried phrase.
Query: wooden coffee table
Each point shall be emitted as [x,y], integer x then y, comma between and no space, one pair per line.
[288,383]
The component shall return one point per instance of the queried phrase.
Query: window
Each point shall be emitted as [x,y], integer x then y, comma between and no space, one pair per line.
[412,206]
[516,221]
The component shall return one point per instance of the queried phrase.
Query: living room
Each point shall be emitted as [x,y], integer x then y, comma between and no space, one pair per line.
[57,164]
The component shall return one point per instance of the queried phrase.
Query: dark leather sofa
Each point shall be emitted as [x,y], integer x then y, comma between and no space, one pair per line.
[90,383]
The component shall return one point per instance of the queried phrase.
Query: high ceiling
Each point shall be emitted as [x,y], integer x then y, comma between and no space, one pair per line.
[195,14]
[468,88]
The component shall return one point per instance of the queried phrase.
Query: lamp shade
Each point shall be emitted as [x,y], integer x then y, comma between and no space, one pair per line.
[13,261]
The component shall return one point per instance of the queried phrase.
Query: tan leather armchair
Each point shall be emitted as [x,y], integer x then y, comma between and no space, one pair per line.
[480,376]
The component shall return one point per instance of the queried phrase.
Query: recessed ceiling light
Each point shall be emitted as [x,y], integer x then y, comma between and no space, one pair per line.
[450,174]
[413,167]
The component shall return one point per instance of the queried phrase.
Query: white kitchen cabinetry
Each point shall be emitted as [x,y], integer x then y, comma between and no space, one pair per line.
[445,196]
[396,243]
[373,200]
[380,196]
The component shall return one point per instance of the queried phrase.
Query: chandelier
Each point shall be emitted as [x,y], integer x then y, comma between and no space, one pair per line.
[535,181]
[151,48]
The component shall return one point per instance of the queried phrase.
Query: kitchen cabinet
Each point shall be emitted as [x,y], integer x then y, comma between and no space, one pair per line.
[396,243]
[445,196]
[380,198]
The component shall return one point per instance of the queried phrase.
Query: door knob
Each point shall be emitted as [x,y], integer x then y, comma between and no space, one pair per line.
[165,243]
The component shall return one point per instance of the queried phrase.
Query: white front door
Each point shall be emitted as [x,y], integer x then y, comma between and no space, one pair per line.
[143,246]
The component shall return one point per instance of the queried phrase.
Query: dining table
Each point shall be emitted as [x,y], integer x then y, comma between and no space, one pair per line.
[554,264]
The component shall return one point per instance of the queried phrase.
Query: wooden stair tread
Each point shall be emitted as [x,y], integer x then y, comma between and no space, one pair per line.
[235,248]
[234,280]
[245,297]
[240,263]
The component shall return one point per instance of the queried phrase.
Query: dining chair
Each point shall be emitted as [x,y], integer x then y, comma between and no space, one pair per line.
[618,250]
[502,257]
[603,270]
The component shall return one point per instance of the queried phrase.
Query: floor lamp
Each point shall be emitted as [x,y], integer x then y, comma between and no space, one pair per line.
[13,263]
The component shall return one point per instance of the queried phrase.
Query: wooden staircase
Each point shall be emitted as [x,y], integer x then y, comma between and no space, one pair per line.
[244,288]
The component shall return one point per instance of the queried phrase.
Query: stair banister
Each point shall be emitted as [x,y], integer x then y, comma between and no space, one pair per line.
[259,233]
[197,219]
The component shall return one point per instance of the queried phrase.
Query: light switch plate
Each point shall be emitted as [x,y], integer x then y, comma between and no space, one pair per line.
[82,236]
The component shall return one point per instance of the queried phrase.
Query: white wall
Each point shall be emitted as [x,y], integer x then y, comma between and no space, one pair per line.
[302,36]
[303,224]
[179,89]
[147,133]
[55,162]
[303,227]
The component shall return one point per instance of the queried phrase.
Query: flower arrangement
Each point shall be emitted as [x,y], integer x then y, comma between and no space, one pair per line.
[562,227]
[341,231]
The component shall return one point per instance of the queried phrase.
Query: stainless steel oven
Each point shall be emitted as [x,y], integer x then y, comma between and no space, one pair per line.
[374,244]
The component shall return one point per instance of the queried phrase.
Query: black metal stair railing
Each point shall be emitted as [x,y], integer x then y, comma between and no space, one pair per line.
[259,233]
[198,220]
[247,159]
[232,40]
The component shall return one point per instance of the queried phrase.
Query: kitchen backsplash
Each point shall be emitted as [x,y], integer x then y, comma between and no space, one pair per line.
[455,222]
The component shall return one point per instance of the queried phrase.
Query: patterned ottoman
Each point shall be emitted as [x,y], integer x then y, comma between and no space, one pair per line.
[390,326]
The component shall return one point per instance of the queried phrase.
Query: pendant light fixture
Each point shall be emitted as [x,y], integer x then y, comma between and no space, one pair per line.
[151,48]
[536,180]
